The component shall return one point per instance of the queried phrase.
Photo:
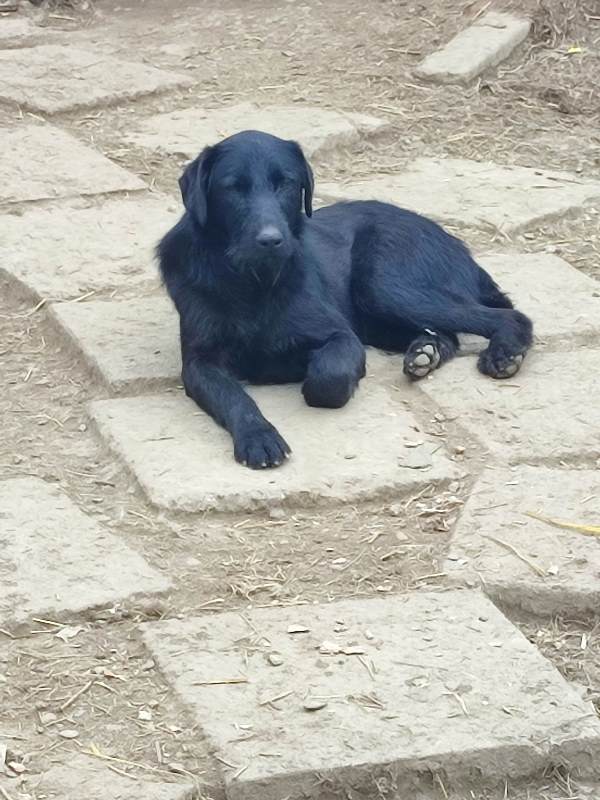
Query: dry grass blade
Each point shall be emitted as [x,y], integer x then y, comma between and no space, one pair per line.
[538,570]
[588,530]
[221,682]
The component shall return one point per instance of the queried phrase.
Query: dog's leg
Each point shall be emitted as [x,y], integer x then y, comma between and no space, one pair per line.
[428,352]
[510,332]
[334,371]
[257,444]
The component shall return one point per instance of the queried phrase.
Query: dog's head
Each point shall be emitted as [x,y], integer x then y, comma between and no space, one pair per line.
[246,193]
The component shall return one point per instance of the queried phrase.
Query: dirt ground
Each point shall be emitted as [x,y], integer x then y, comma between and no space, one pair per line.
[540,108]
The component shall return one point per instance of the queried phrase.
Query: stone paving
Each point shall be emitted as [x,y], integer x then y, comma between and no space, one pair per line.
[53,79]
[92,249]
[373,448]
[565,304]
[317,129]
[543,414]
[486,43]
[474,194]
[58,560]
[306,700]
[46,164]
[522,560]
[131,345]
[350,690]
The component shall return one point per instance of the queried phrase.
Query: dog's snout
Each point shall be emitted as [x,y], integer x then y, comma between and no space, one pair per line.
[270,237]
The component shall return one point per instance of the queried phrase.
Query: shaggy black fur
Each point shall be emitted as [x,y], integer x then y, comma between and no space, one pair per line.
[269,294]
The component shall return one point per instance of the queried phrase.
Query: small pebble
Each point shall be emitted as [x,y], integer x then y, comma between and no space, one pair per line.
[328,648]
[312,704]
[298,629]
[274,659]
[69,733]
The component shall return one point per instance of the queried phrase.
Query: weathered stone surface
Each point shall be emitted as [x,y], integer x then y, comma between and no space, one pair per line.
[563,303]
[472,193]
[523,561]
[424,686]
[130,344]
[42,162]
[91,778]
[184,461]
[15,31]
[486,43]
[186,132]
[53,78]
[66,252]
[546,412]
[56,560]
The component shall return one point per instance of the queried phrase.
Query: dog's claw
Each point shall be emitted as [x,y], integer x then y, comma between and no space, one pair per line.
[261,448]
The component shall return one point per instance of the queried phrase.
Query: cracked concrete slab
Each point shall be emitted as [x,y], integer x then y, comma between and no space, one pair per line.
[57,560]
[131,345]
[47,164]
[187,131]
[91,249]
[52,79]
[474,194]
[521,560]
[546,413]
[563,303]
[370,449]
[490,40]
[344,693]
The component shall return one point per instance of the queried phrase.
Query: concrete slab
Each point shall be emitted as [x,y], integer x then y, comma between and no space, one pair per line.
[129,344]
[91,778]
[317,129]
[56,560]
[563,303]
[399,686]
[16,31]
[523,561]
[545,413]
[371,448]
[486,43]
[474,194]
[97,248]
[44,163]
[53,79]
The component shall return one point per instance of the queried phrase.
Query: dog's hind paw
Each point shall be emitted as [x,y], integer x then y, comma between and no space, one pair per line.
[498,363]
[421,359]
[261,448]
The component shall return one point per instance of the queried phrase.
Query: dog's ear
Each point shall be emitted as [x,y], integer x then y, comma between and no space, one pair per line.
[308,181]
[194,186]
[308,186]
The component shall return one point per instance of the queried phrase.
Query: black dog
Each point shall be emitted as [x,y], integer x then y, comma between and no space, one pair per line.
[268,296]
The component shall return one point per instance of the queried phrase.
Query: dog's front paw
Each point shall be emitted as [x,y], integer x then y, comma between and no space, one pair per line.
[261,447]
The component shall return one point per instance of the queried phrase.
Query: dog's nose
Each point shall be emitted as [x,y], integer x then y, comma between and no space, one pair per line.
[270,236]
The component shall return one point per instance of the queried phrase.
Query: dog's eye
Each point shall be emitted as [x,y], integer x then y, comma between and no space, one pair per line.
[281,181]
[241,185]
[236,184]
